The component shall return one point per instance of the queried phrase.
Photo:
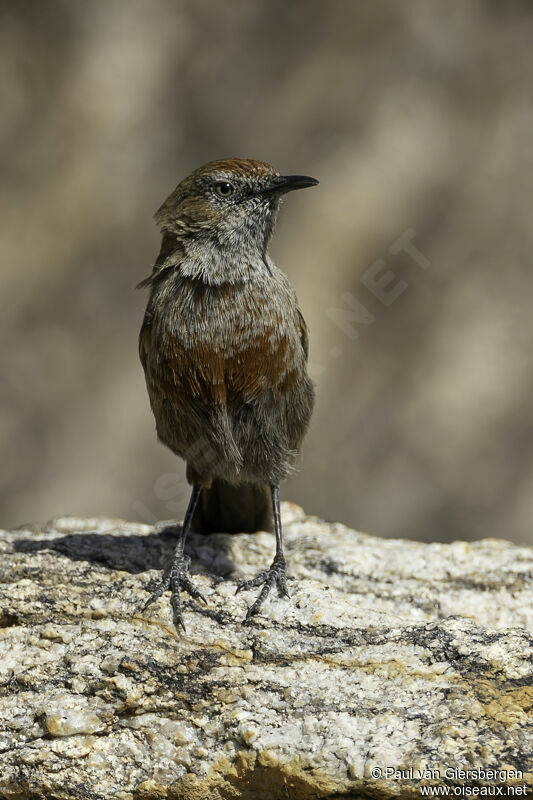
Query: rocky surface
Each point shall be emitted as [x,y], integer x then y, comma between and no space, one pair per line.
[394,666]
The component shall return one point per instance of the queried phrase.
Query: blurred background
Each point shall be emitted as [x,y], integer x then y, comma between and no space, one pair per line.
[411,260]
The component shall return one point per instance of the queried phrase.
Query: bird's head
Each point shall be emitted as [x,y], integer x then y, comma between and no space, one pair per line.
[222,215]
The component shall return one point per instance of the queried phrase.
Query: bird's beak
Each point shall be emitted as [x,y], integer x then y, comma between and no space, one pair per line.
[280,184]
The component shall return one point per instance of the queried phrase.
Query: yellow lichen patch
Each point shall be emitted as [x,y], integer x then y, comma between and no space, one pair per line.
[249,734]
[245,760]
[390,669]
[150,790]
[224,765]
[511,706]
[232,656]
[269,779]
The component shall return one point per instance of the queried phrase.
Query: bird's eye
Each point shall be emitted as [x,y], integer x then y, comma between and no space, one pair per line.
[224,189]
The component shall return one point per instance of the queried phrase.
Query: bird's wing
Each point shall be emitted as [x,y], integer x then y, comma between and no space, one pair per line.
[169,256]
[147,281]
[304,335]
[144,339]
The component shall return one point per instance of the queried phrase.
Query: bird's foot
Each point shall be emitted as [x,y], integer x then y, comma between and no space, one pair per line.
[176,577]
[276,574]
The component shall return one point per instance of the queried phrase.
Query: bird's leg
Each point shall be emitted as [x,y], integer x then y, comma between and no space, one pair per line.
[276,574]
[176,574]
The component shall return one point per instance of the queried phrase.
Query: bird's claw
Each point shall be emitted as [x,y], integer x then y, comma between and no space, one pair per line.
[277,574]
[176,577]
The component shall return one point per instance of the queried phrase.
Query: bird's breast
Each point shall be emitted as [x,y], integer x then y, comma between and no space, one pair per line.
[223,345]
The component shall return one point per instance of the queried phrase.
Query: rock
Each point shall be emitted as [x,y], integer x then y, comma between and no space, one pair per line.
[394,666]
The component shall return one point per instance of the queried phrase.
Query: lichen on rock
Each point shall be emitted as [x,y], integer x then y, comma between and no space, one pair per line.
[393,666]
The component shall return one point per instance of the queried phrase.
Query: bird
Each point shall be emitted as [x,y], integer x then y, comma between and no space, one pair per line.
[224,348]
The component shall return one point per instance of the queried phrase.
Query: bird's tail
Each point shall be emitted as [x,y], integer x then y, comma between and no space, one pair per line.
[224,508]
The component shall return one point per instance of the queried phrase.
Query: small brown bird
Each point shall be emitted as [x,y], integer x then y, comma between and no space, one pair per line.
[224,350]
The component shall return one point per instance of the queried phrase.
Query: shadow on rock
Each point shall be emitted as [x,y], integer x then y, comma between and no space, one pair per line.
[208,552]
